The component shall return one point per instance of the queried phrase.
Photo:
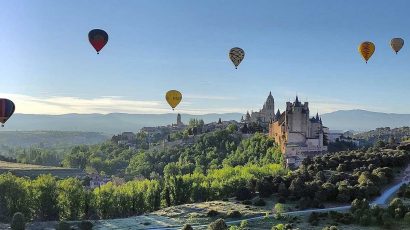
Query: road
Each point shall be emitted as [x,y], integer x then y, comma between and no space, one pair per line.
[381,200]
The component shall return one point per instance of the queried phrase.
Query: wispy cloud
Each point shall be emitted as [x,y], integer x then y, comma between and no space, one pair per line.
[56,105]
[209,97]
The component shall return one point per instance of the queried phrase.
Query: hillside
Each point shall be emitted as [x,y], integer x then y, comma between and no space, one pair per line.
[385,134]
[33,171]
[49,139]
[112,123]
[362,120]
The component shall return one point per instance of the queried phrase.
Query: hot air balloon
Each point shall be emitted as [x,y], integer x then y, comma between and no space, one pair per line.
[7,108]
[173,98]
[396,44]
[366,49]
[236,55]
[98,38]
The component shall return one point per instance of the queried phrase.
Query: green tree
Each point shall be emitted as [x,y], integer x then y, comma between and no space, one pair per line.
[279,209]
[14,195]
[45,196]
[71,199]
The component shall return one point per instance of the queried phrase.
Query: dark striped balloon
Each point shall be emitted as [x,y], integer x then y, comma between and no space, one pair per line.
[98,38]
[236,55]
[7,108]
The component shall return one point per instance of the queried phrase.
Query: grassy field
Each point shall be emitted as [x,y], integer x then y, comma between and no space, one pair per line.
[35,170]
[301,221]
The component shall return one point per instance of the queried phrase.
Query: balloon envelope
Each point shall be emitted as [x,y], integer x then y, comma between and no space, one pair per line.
[173,98]
[236,55]
[396,44]
[98,38]
[7,108]
[366,49]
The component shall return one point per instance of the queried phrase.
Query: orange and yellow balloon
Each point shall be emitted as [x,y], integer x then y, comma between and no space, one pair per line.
[366,49]
[173,98]
[396,44]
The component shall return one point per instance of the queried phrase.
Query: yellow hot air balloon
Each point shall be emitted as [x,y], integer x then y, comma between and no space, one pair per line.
[173,98]
[396,44]
[366,49]
[236,55]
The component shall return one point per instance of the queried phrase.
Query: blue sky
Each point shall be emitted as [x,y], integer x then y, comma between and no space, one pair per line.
[307,48]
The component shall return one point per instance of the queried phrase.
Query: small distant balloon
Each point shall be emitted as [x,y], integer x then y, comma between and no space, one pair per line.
[7,108]
[396,44]
[366,49]
[236,55]
[173,98]
[98,38]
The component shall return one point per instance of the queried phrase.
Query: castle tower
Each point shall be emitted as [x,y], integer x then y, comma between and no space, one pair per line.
[269,108]
[179,121]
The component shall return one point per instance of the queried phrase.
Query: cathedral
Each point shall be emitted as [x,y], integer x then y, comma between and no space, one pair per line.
[298,135]
[265,115]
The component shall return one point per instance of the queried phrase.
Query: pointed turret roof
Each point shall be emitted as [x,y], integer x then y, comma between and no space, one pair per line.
[278,113]
[270,97]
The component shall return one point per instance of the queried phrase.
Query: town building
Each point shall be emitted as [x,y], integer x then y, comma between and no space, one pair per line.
[265,115]
[298,135]
[335,136]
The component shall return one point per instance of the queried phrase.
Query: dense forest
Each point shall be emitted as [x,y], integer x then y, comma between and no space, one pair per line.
[387,135]
[47,198]
[216,165]
[340,177]
[209,151]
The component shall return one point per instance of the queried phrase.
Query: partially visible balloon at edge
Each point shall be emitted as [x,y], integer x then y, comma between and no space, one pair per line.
[173,98]
[236,55]
[366,49]
[396,44]
[7,109]
[98,39]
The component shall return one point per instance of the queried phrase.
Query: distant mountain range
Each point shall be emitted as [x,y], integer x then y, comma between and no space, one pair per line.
[362,120]
[359,120]
[113,123]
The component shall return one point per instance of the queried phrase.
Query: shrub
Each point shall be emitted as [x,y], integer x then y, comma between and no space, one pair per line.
[387,220]
[187,227]
[244,224]
[259,202]
[234,214]
[365,220]
[314,219]
[63,226]
[330,228]
[212,213]
[407,217]
[218,224]
[246,202]
[243,194]
[85,225]
[18,222]
[278,227]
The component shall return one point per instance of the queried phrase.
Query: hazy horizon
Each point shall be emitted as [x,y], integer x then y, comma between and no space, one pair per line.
[175,113]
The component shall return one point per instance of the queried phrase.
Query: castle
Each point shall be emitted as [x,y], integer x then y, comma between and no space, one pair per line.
[265,115]
[298,135]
